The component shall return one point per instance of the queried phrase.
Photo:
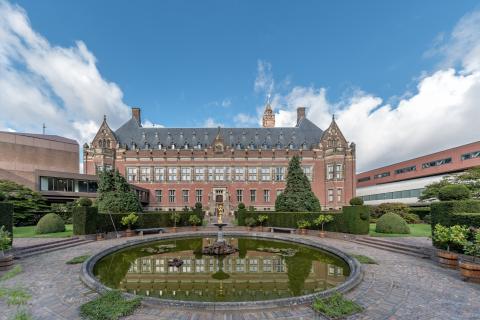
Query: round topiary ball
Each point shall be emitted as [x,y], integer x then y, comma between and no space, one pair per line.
[454,192]
[84,202]
[356,201]
[241,205]
[50,223]
[392,223]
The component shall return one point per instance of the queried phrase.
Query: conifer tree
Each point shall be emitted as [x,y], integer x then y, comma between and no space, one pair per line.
[298,195]
[115,194]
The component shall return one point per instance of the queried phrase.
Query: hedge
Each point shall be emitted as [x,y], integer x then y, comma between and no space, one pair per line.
[6,216]
[450,213]
[90,223]
[421,212]
[353,219]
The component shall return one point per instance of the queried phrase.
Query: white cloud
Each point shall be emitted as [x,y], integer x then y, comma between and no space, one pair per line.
[242,120]
[149,124]
[211,123]
[59,86]
[264,82]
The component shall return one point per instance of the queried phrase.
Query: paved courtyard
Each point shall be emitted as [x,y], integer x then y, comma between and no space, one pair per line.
[399,287]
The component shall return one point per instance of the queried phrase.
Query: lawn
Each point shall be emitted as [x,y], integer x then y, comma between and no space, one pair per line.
[29,232]
[416,230]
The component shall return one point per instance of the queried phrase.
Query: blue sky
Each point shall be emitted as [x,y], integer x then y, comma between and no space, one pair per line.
[192,63]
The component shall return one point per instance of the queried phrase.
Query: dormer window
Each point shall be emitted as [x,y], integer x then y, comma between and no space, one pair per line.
[264,146]
[147,146]
[199,146]
[173,146]
[279,146]
[239,146]
[291,146]
[186,145]
[252,146]
[304,146]
[160,146]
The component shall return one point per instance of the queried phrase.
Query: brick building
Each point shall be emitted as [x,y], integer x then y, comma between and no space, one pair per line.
[182,166]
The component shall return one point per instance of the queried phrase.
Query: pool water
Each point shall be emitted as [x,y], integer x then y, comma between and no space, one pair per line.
[260,270]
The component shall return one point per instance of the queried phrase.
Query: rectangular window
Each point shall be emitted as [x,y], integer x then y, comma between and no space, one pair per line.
[330,195]
[364,179]
[253,196]
[144,174]
[210,174]
[219,174]
[199,174]
[266,195]
[437,163]
[330,169]
[186,174]
[159,174]
[308,172]
[158,196]
[252,174]
[171,196]
[279,173]
[471,155]
[239,174]
[132,174]
[239,195]
[199,195]
[265,174]
[185,196]
[338,171]
[381,175]
[339,195]
[406,169]
[172,174]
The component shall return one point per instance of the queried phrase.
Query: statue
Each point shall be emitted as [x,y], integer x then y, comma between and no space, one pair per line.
[220,213]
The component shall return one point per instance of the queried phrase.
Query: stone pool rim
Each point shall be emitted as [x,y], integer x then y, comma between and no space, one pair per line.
[355,277]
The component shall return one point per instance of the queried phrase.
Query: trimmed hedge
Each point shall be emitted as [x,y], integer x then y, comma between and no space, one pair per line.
[50,223]
[353,219]
[392,223]
[421,212]
[87,220]
[6,216]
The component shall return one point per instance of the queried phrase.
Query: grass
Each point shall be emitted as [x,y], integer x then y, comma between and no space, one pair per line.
[29,232]
[336,306]
[109,306]
[11,273]
[79,259]
[364,259]
[416,230]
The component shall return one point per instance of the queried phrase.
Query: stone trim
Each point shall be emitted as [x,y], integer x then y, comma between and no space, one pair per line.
[355,277]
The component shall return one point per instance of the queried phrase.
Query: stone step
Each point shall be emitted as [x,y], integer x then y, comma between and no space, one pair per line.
[377,240]
[46,245]
[394,248]
[43,250]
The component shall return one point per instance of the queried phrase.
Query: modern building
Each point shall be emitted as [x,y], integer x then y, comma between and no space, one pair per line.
[405,181]
[182,166]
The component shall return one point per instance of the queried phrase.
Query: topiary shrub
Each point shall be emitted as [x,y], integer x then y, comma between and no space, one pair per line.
[454,192]
[412,218]
[392,223]
[50,223]
[2,196]
[395,207]
[356,201]
[84,202]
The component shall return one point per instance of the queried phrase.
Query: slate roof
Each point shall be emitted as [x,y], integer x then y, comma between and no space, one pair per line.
[305,135]
[50,137]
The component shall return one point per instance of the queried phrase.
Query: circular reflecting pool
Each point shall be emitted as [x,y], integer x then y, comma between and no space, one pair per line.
[260,270]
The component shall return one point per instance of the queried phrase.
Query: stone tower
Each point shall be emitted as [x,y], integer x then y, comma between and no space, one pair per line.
[268,120]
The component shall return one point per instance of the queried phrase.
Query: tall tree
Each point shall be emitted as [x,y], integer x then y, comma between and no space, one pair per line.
[26,202]
[115,194]
[298,195]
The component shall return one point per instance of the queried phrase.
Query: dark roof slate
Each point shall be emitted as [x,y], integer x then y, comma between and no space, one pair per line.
[304,135]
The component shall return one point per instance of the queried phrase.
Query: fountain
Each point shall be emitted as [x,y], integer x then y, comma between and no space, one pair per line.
[220,247]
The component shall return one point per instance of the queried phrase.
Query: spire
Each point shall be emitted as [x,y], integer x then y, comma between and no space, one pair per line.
[268,120]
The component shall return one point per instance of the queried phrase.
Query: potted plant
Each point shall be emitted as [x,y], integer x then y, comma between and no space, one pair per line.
[471,269]
[129,221]
[250,222]
[6,260]
[446,237]
[175,218]
[194,221]
[262,219]
[303,225]
[321,220]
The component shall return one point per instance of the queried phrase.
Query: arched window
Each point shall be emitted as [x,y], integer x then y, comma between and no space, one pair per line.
[108,143]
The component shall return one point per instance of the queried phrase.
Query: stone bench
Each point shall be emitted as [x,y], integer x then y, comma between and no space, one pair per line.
[150,230]
[283,230]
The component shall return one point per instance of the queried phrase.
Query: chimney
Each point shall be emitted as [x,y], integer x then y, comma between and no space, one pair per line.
[136,115]
[300,114]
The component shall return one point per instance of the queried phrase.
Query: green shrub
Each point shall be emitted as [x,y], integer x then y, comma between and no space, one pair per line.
[6,216]
[241,205]
[194,220]
[129,220]
[109,306]
[336,306]
[420,211]
[399,208]
[84,220]
[450,238]
[250,222]
[3,196]
[84,202]
[5,240]
[356,201]
[412,218]
[392,223]
[50,223]
[454,192]
[303,224]
[427,218]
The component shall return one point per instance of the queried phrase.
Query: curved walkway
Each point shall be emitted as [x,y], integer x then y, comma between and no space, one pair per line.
[399,287]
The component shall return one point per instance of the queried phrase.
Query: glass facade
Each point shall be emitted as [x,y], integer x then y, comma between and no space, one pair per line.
[412,193]
[67,185]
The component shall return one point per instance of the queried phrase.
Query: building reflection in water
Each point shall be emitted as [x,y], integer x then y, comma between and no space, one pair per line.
[258,276]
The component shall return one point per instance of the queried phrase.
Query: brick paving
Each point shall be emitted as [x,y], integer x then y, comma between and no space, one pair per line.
[399,287]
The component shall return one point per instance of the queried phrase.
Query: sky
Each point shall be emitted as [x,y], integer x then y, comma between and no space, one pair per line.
[401,77]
